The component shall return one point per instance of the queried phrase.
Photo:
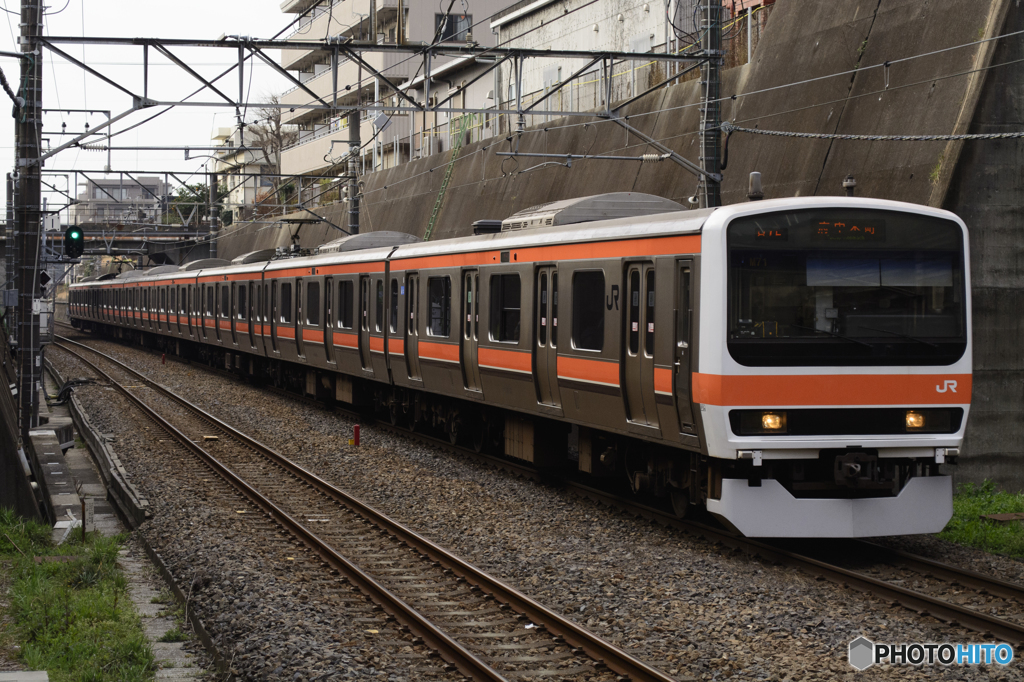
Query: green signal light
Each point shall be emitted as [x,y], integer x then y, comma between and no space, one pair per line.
[76,235]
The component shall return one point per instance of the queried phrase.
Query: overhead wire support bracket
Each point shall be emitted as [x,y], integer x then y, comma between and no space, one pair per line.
[643,158]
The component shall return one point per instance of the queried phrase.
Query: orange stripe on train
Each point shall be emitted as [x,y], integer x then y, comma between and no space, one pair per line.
[591,371]
[439,351]
[516,361]
[832,389]
[662,380]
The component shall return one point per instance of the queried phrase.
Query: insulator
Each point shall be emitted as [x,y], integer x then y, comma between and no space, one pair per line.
[94,148]
[652,158]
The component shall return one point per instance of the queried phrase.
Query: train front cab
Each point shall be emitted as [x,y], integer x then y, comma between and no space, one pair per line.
[835,366]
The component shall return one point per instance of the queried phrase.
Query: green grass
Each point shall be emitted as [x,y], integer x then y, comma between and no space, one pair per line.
[967,527]
[174,635]
[73,619]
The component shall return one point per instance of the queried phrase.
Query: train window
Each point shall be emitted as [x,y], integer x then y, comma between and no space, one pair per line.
[379,320]
[542,327]
[846,287]
[209,300]
[649,316]
[257,311]
[243,311]
[588,310]
[345,307]
[172,307]
[505,300]
[393,315]
[634,312]
[554,309]
[439,291]
[313,303]
[286,302]
[225,300]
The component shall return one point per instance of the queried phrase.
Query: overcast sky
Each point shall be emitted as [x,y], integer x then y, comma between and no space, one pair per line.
[66,86]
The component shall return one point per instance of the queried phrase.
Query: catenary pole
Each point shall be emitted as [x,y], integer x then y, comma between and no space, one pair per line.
[27,213]
[711,109]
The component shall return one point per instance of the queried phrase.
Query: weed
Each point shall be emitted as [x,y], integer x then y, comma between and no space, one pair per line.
[967,527]
[175,634]
[72,618]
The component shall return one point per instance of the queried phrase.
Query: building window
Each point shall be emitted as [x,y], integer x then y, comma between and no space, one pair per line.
[439,290]
[453,27]
[505,300]
[588,310]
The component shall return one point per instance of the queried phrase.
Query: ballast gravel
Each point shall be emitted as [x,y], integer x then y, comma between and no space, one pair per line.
[683,604]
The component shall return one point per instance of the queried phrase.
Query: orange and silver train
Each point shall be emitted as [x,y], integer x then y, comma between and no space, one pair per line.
[800,367]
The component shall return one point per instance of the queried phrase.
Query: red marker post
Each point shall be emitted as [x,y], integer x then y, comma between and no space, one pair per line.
[355,435]
[163,359]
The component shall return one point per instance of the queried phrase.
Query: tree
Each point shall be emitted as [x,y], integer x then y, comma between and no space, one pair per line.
[267,136]
[191,203]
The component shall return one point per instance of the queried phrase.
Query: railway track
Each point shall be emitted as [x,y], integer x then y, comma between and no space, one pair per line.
[953,595]
[479,625]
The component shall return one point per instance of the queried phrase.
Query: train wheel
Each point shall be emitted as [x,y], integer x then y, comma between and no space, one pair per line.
[479,440]
[395,413]
[454,426]
[680,502]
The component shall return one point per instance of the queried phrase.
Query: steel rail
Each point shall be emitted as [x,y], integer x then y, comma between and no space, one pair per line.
[952,574]
[452,651]
[616,659]
[920,602]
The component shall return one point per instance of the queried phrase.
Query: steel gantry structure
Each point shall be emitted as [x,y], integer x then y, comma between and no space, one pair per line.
[26,180]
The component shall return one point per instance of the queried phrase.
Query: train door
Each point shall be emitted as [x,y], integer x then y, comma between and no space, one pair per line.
[682,374]
[546,336]
[412,326]
[252,311]
[233,312]
[638,351]
[300,295]
[273,316]
[329,319]
[393,328]
[470,322]
[364,323]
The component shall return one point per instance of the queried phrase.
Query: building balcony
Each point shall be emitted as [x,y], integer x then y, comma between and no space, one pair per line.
[344,19]
[307,157]
[392,65]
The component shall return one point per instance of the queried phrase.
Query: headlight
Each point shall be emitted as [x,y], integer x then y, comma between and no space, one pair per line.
[757,422]
[915,421]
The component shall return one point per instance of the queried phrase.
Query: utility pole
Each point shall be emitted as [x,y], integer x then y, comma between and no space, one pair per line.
[353,169]
[214,215]
[711,109]
[28,222]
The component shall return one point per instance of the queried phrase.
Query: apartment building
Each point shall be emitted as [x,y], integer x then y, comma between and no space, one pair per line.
[244,169]
[121,201]
[389,137]
[658,26]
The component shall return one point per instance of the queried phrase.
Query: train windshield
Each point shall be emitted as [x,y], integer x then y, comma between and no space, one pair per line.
[838,287]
